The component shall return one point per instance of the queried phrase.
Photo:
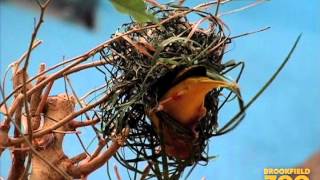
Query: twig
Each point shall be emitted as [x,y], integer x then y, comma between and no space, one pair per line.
[87,116]
[18,157]
[34,151]
[217,8]
[78,158]
[78,124]
[25,67]
[116,171]
[93,91]
[35,102]
[66,132]
[35,44]
[82,145]
[5,126]
[44,98]
[208,4]
[88,167]
[242,8]
[63,121]
[81,105]
[79,59]
[249,33]
[101,145]
[16,63]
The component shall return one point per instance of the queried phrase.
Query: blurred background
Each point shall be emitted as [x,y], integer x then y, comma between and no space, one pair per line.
[281,129]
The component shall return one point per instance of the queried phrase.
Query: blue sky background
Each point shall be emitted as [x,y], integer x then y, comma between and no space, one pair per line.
[280,130]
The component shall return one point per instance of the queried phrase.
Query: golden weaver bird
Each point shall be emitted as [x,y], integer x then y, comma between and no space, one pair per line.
[184,103]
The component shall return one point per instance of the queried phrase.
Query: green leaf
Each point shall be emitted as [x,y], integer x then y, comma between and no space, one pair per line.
[134,8]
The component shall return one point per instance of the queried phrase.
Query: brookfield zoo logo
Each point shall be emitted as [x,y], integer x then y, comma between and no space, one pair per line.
[286,174]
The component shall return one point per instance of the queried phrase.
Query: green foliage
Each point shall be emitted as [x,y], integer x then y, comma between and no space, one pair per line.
[134,8]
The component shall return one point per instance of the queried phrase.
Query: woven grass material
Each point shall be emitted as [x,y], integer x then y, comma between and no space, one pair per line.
[145,62]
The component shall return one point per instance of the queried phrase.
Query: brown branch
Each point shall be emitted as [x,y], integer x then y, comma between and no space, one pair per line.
[138,47]
[25,67]
[195,27]
[78,158]
[26,106]
[35,32]
[4,138]
[116,171]
[78,124]
[18,157]
[63,121]
[16,103]
[66,132]
[35,102]
[81,105]
[35,152]
[4,126]
[35,44]
[44,99]
[72,68]
[82,145]
[101,145]
[15,65]
[90,166]
[85,66]
[85,113]
[87,168]
[79,59]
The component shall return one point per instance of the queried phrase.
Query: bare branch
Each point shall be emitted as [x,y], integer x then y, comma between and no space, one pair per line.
[81,105]
[93,91]
[35,101]
[79,59]
[44,99]
[88,167]
[78,158]
[18,157]
[116,171]
[249,33]
[77,124]
[63,121]
[242,8]
[101,145]
[34,151]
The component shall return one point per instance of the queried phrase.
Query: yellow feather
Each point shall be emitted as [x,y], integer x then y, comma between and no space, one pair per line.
[185,101]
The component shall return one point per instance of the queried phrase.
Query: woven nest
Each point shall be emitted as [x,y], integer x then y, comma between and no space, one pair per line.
[144,61]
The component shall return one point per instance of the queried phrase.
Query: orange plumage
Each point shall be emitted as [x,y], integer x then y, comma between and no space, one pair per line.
[184,103]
